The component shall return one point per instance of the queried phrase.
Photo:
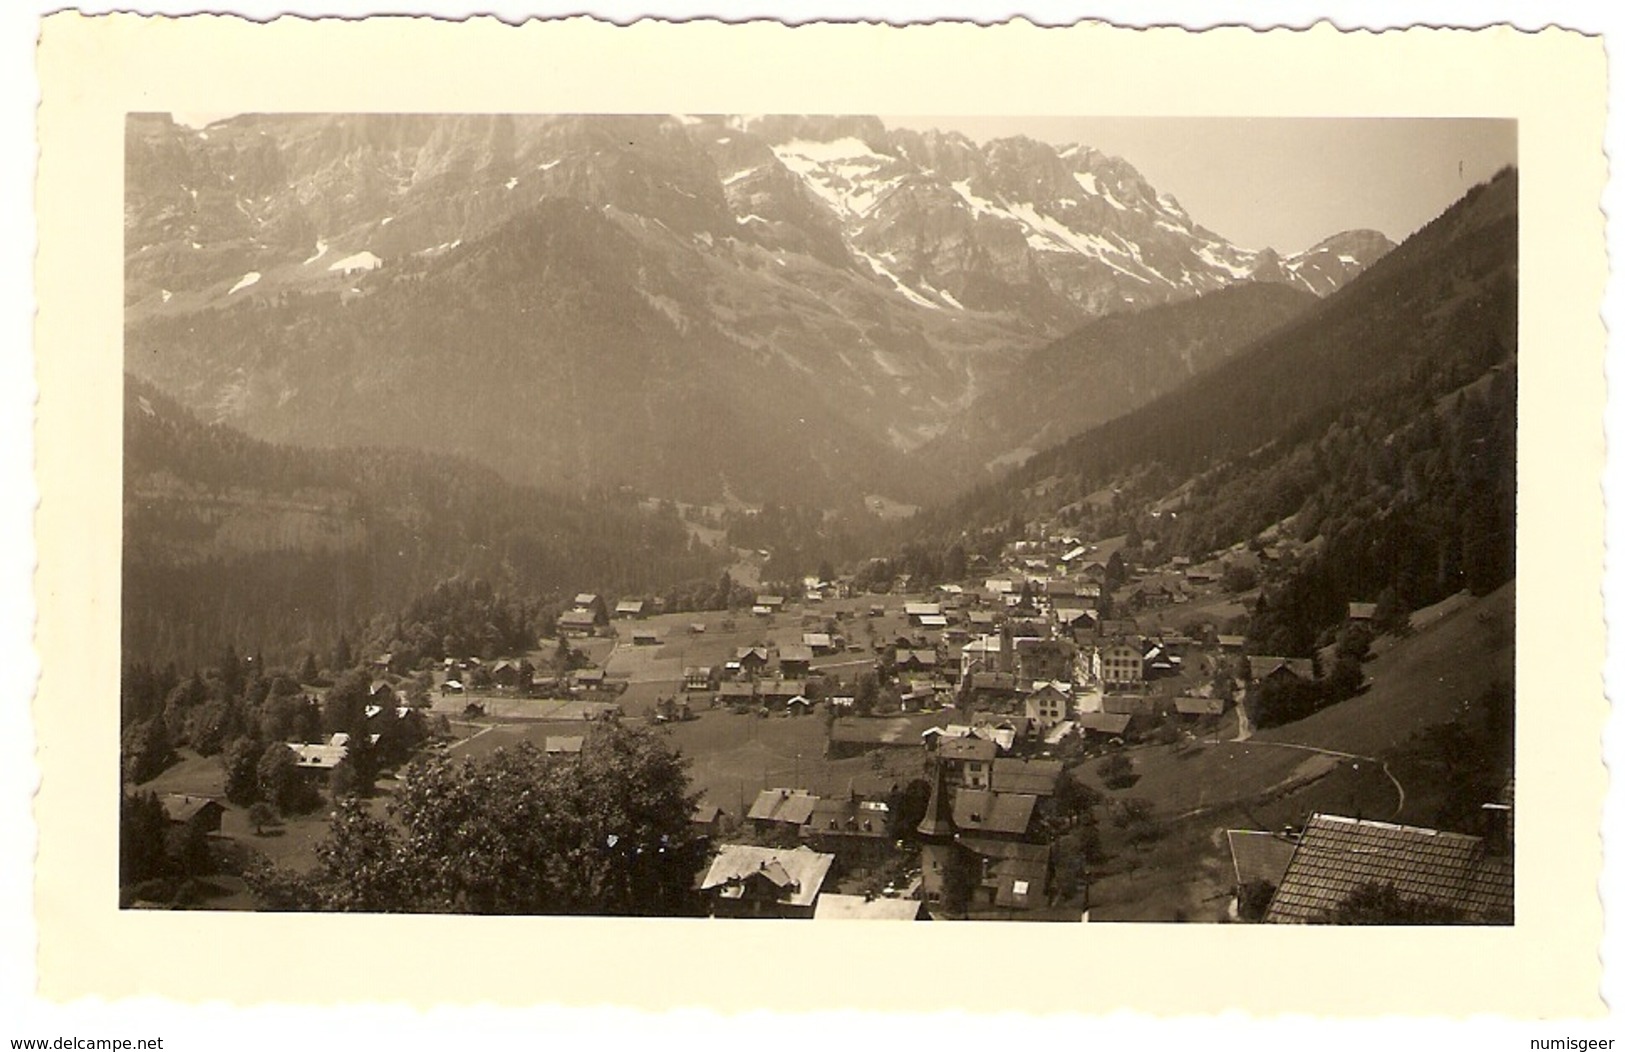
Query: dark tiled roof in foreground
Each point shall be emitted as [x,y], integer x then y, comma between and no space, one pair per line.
[1336,855]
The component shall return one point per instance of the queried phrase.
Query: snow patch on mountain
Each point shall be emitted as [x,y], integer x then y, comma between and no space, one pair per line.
[321,250]
[251,278]
[359,261]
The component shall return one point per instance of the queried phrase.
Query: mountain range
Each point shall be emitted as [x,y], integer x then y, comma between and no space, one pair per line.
[812,308]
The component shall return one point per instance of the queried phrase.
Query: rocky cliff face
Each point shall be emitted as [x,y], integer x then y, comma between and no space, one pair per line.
[846,287]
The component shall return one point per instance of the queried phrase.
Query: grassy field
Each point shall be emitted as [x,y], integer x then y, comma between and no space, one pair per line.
[1272,780]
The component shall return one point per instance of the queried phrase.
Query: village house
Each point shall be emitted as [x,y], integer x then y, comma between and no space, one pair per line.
[736,692]
[707,820]
[1258,859]
[853,830]
[749,881]
[777,693]
[317,759]
[577,622]
[818,642]
[751,660]
[915,660]
[795,660]
[780,813]
[1049,703]
[1038,778]
[918,612]
[193,812]
[854,736]
[697,677]
[563,745]
[1119,665]
[1267,668]
[968,761]
[773,603]
[1194,706]
[630,608]
[645,637]
[1362,612]
[1103,726]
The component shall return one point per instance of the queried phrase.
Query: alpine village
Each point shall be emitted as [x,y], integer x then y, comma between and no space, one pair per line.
[801,518]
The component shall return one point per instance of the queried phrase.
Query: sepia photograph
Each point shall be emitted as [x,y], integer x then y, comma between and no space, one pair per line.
[820,517]
[538,515]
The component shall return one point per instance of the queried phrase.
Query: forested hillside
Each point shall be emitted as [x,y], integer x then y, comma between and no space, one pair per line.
[1380,426]
[230,540]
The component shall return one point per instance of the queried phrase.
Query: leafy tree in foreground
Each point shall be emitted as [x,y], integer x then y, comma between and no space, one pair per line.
[516,832]
[1383,904]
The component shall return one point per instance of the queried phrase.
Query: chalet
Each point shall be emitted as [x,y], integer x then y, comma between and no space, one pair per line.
[749,881]
[1119,665]
[832,906]
[1193,706]
[586,601]
[777,693]
[1101,725]
[1131,704]
[696,627]
[774,603]
[697,677]
[1232,644]
[999,586]
[645,637]
[1119,629]
[1049,703]
[915,660]
[986,654]
[731,692]
[1281,669]
[917,612]
[1159,661]
[800,705]
[1061,588]
[505,673]
[854,831]
[1026,777]
[968,761]
[380,692]
[877,610]
[818,642]
[1468,875]
[588,677]
[992,686]
[1073,555]
[578,622]
[562,745]
[318,758]
[777,811]
[918,697]
[632,608]
[795,660]
[751,660]
[1076,619]
[1366,612]
[1093,571]
[706,820]
[193,812]
[934,622]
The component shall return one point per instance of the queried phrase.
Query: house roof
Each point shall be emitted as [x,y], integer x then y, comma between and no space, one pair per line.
[1263,666]
[813,639]
[1336,855]
[1191,705]
[858,731]
[629,606]
[781,688]
[705,814]
[922,609]
[318,757]
[791,806]
[916,657]
[1362,611]
[1258,855]
[859,907]
[1237,642]
[730,689]
[1103,722]
[759,653]
[933,621]
[770,600]
[1038,777]
[847,817]
[795,652]
[576,618]
[968,748]
[585,598]
[800,872]
[183,808]
[563,744]
[984,811]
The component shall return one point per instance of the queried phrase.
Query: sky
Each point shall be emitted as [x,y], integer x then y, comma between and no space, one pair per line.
[1283,183]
